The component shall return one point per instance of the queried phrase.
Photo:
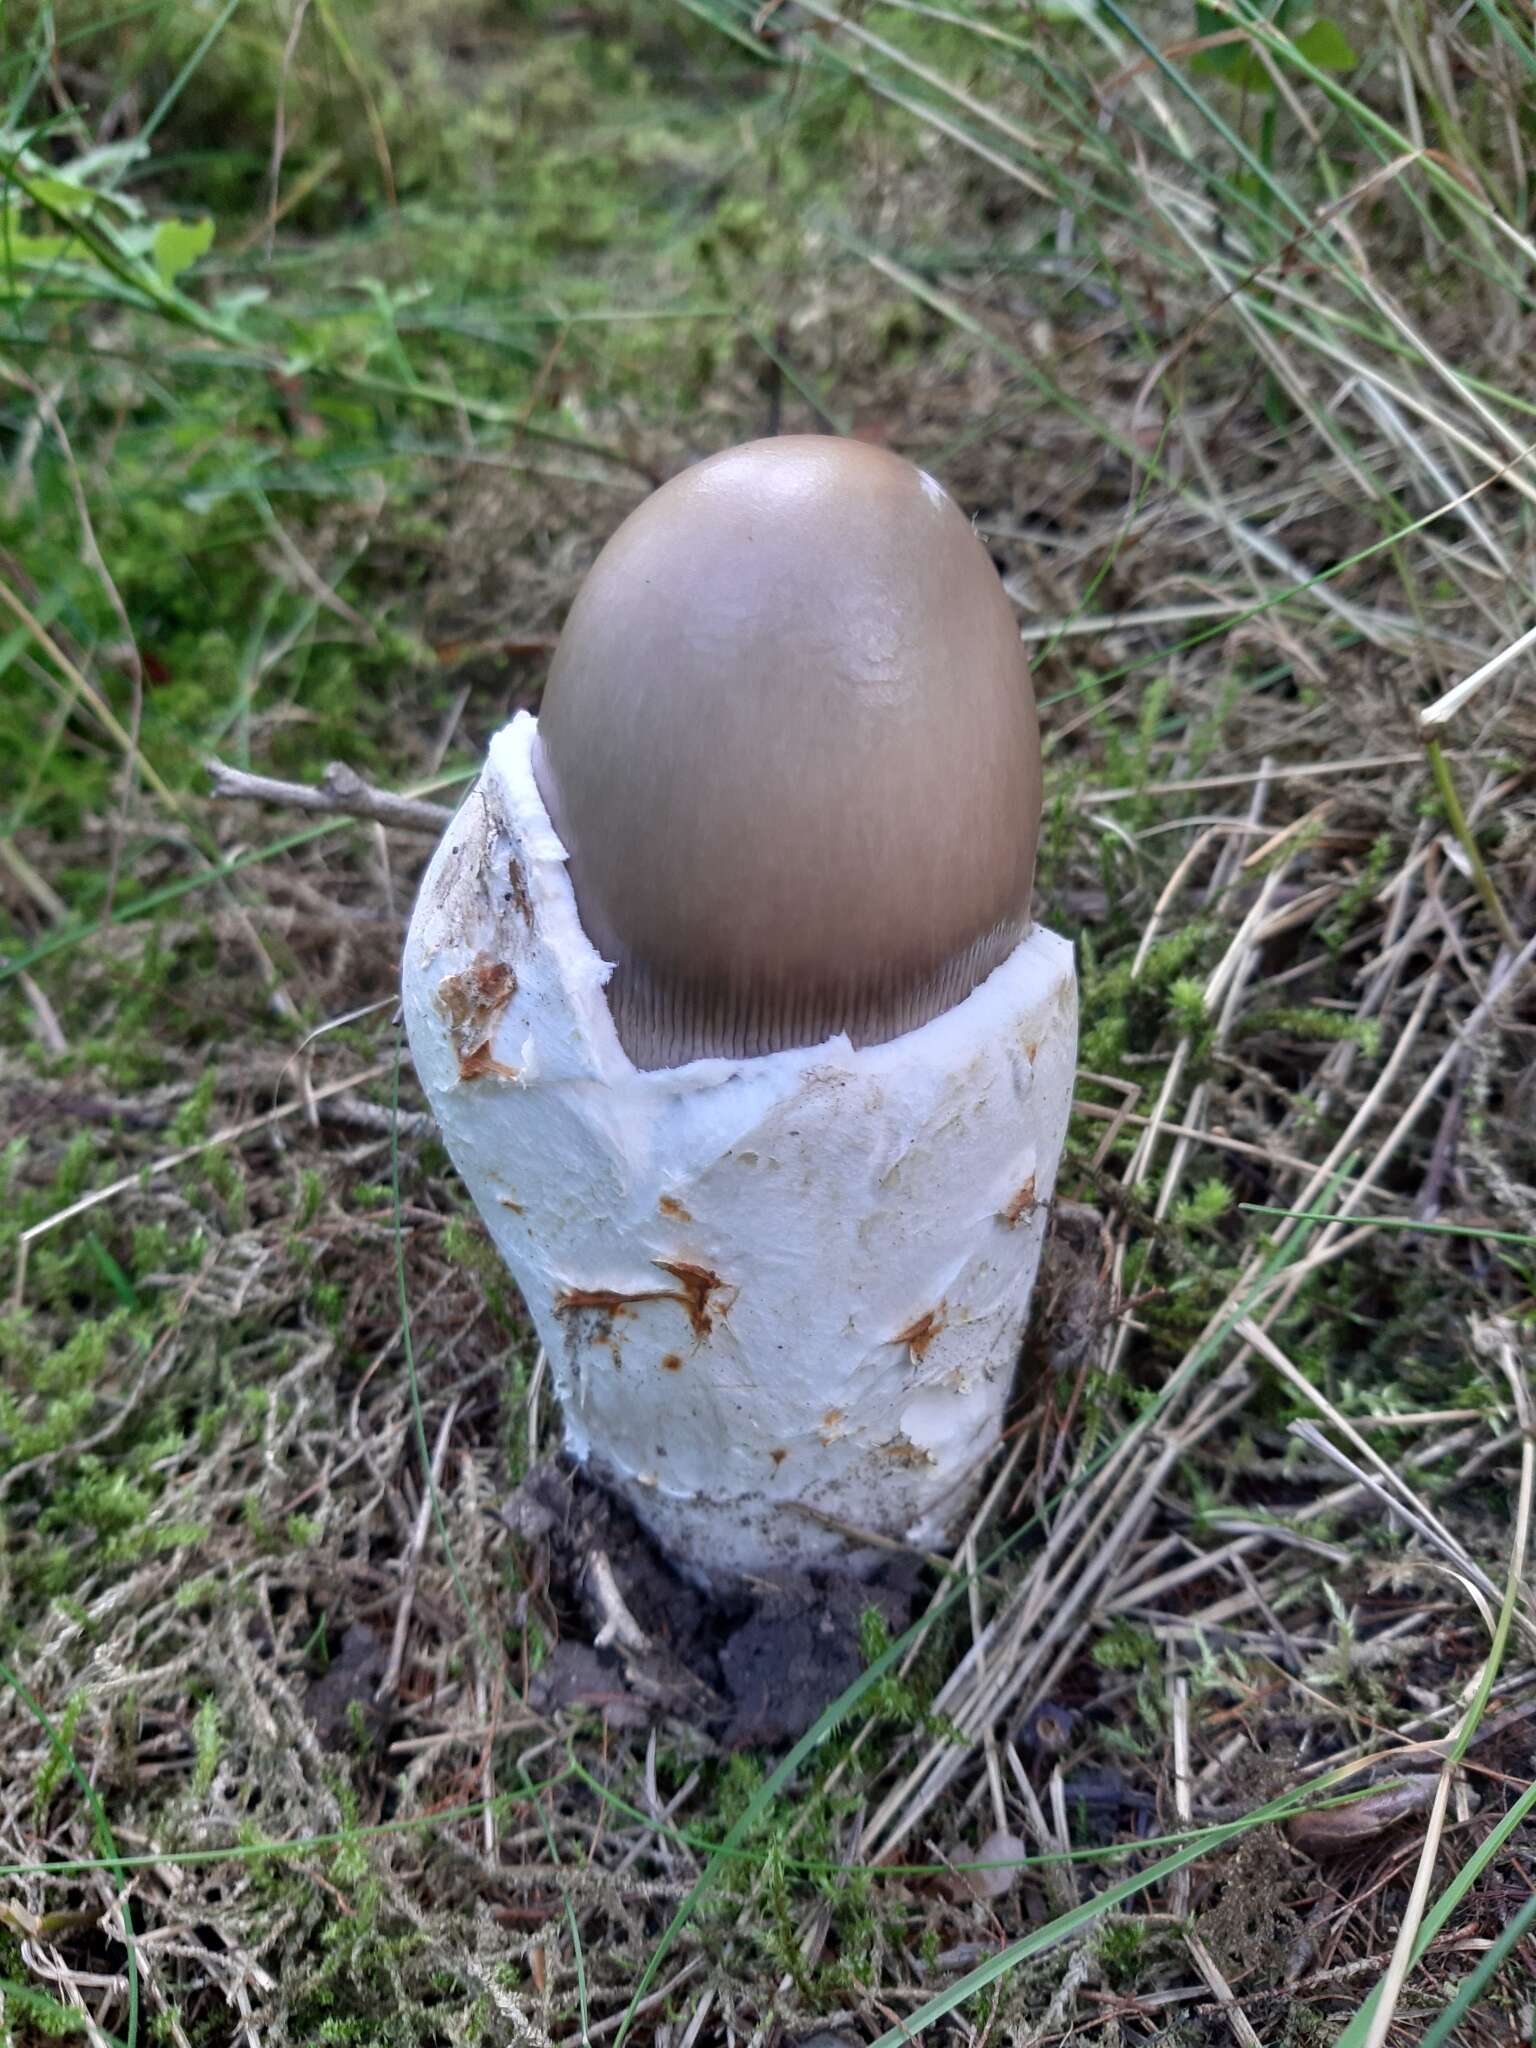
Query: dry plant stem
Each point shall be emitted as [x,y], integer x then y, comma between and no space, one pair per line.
[1445,783]
[49,1029]
[1221,1991]
[1183,1806]
[1062,1579]
[1402,1954]
[42,892]
[1445,708]
[1389,1482]
[1504,978]
[1474,1581]
[1169,892]
[391,1679]
[601,2028]
[1056,1877]
[1413,1917]
[1279,771]
[342,793]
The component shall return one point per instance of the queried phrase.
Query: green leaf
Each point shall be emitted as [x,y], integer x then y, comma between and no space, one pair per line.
[39,249]
[60,195]
[1239,63]
[178,244]
[1326,45]
[1323,44]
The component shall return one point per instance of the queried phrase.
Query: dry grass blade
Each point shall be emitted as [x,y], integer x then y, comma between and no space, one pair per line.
[1372,2026]
[1445,708]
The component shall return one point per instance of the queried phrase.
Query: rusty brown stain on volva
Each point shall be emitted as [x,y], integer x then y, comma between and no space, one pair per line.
[571,1299]
[695,1286]
[481,1065]
[669,1206]
[1019,1205]
[507,1202]
[1030,1052]
[470,1002]
[778,1456]
[919,1334]
[902,1451]
[473,996]
[671,1363]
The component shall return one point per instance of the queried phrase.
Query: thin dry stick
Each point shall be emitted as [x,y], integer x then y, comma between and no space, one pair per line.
[49,1029]
[342,793]
[42,892]
[611,2025]
[1060,1886]
[1130,1095]
[1276,840]
[1170,890]
[280,122]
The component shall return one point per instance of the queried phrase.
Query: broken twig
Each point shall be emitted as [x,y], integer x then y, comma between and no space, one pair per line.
[341,792]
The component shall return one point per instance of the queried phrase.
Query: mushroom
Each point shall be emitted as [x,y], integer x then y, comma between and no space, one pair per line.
[790,745]
[723,989]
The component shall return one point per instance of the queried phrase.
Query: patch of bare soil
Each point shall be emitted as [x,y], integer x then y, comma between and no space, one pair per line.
[751,1661]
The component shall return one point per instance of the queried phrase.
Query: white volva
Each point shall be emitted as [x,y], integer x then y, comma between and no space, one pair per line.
[781,1297]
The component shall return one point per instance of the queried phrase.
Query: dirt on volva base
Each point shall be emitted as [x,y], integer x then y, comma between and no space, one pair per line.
[752,1661]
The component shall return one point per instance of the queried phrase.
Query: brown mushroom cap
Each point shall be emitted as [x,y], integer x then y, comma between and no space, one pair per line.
[789,742]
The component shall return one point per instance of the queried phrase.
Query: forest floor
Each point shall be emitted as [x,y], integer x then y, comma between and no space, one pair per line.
[338,339]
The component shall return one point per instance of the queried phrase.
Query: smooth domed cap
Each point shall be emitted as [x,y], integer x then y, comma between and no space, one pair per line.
[789,742]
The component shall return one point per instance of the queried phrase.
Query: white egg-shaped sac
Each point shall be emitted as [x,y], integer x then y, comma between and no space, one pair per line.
[781,1297]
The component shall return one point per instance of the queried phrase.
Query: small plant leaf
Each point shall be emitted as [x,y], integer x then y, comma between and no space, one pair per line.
[1326,45]
[178,244]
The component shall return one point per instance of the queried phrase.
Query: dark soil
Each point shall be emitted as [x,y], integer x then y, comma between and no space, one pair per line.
[752,1661]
